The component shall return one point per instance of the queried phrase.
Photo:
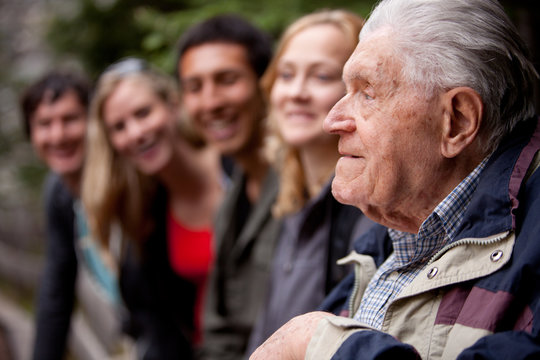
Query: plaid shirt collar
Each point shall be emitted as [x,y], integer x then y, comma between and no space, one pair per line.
[440,227]
[412,251]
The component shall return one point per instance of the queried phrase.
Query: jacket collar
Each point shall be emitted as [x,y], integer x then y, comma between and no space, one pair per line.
[495,202]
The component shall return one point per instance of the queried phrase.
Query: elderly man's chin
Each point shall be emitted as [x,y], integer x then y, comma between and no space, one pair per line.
[344,191]
[345,185]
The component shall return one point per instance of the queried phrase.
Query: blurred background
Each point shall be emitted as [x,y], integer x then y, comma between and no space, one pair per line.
[87,35]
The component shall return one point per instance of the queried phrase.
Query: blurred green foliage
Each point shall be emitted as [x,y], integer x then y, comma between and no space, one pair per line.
[31,176]
[103,31]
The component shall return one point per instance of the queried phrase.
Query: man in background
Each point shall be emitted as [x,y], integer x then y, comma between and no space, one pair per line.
[55,117]
[220,61]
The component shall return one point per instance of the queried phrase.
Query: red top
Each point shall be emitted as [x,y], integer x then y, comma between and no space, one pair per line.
[191,255]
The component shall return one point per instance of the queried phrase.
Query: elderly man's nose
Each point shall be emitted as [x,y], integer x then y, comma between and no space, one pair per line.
[338,120]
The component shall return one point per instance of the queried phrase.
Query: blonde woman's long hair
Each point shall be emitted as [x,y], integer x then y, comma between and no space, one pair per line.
[113,190]
[293,192]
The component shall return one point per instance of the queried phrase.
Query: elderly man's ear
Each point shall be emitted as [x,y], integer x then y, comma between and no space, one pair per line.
[463,110]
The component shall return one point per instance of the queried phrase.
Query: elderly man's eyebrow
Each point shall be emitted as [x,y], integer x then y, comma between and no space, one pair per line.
[358,76]
[358,69]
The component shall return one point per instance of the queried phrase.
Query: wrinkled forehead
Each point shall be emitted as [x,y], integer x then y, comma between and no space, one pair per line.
[374,59]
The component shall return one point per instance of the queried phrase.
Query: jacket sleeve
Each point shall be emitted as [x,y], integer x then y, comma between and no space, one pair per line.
[57,291]
[504,345]
[339,338]
[345,339]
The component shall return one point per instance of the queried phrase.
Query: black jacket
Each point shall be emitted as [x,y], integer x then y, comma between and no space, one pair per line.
[57,289]
[159,302]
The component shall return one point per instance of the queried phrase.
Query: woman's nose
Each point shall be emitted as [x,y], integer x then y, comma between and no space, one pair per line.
[135,131]
[298,88]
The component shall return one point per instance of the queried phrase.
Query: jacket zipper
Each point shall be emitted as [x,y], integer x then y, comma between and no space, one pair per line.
[467,241]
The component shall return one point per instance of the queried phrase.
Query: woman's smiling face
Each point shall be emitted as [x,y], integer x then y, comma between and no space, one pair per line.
[308,83]
[140,125]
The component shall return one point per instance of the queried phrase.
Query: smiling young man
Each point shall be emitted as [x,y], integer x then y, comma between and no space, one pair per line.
[220,61]
[438,142]
[55,117]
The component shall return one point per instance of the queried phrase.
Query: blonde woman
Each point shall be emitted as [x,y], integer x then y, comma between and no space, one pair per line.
[148,176]
[302,84]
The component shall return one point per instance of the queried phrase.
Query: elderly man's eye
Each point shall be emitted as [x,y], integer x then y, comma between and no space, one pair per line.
[367,91]
[367,96]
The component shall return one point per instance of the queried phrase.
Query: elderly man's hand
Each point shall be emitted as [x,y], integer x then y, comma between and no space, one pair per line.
[290,341]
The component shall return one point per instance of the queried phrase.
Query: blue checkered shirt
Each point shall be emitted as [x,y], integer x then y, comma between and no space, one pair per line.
[413,251]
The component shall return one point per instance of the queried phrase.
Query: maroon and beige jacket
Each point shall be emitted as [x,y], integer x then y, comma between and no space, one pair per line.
[478,296]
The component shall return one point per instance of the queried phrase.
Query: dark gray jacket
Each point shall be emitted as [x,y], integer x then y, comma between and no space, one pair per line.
[245,237]
[57,289]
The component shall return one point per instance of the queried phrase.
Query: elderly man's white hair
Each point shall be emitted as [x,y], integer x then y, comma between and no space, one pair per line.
[449,43]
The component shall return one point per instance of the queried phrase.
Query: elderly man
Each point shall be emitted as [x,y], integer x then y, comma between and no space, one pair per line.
[438,143]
